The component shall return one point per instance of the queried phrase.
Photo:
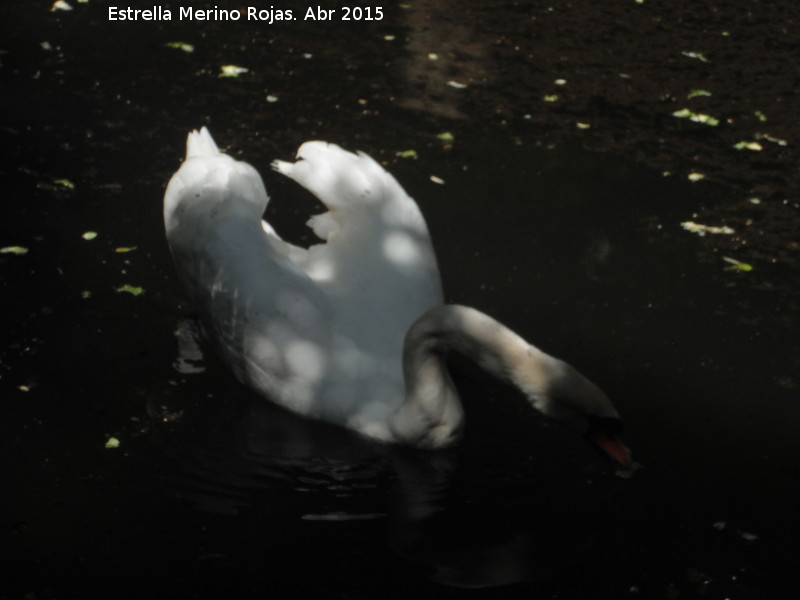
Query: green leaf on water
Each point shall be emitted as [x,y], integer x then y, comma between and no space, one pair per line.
[771,138]
[446,136]
[112,443]
[698,55]
[89,235]
[131,289]
[123,249]
[685,113]
[65,183]
[231,71]
[754,146]
[14,250]
[736,265]
[183,46]
[407,154]
[698,93]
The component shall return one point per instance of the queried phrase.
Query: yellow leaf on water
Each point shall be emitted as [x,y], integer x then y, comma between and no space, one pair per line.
[14,250]
[231,71]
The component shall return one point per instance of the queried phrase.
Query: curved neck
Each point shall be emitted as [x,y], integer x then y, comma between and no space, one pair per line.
[432,415]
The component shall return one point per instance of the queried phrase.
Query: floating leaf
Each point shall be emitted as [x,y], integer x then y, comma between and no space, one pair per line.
[65,183]
[123,249]
[436,179]
[433,56]
[86,294]
[112,442]
[583,125]
[231,71]
[271,98]
[60,5]
[754,146]
[736,265]
[685,113]
[89,235]
[769,138]
[697,93]
[456,85]
[183,46]
[14,250]
[446,136]
[551,98]
[388,38]
[695,176]
[130,289]
[698,55]
[760,115]
[701,230]
[407,154]
[560,82]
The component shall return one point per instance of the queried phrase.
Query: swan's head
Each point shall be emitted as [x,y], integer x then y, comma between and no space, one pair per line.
[604,434]
[572,399]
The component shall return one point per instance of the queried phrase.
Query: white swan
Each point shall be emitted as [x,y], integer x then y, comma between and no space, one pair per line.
[352,331]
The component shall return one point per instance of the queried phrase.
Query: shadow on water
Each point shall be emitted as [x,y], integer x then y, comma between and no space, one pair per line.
[446,512]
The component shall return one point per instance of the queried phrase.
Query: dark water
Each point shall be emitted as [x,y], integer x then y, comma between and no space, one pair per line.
[213,492]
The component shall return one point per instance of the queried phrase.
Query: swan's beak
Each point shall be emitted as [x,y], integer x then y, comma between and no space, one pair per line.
[613,447]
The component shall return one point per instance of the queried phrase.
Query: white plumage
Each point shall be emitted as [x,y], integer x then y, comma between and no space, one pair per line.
[352,330]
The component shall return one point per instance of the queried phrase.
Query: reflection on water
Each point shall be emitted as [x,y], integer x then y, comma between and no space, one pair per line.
[443,56]
[467,521]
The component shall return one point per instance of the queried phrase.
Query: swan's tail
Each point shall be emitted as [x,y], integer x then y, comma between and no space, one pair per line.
[209,179]
[200,144]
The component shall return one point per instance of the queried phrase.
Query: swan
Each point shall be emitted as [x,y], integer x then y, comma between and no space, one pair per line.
[354,330]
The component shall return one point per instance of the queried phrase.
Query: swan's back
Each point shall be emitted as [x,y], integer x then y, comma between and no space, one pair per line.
[319,330]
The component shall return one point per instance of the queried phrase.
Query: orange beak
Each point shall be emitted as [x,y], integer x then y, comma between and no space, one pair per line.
[613,447]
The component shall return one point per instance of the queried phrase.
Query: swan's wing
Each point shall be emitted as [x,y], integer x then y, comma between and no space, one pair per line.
[269,321]
[378,259]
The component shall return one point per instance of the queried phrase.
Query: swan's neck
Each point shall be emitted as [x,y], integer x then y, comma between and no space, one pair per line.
[432,415]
